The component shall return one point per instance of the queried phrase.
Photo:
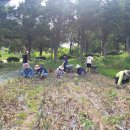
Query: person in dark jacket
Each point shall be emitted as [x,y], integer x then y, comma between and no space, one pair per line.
[65,62]
[27,71]
[25,56]
[43,73]
[80,70]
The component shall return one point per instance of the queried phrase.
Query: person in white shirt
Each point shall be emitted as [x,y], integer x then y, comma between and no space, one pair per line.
[88,62]
[59,72]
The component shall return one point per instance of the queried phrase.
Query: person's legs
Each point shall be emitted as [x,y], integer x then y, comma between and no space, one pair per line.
[116,80]
[44,75]
[125,81]
[23,73]
[88,67]
[64,67]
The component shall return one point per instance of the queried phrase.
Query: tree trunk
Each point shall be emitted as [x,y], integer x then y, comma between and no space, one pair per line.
[29,45]
[104,49]
[55,54]
[71,47]
[40,50]
[128,44]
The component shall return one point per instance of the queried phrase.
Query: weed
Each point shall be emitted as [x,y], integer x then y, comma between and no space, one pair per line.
[86,123]
[22,115]
[113,120]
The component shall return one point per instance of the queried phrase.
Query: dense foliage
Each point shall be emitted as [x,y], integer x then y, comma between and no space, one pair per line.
[93,26]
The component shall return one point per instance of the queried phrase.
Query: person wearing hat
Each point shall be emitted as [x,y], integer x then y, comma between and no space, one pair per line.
[80,70]
[27,71]
[43,73]
[59,72]
[122,77]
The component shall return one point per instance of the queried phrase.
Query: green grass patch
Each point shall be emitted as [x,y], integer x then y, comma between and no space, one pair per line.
[113,120]
[108,72]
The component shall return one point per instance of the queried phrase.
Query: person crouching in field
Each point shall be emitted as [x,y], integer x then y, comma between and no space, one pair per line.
[80,70]
[43,73]
[122,78]
[59,72]
[27,71]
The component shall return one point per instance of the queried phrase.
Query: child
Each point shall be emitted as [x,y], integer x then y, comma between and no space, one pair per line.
[27,71]
[41,71]
[80,70]
[59,72]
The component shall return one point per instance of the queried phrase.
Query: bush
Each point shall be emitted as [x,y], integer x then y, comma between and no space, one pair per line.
[68,56]
[40,58]
[112,53]
[1,64]
[13,59]
[91,54]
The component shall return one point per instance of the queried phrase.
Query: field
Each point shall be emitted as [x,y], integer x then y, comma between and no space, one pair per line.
[79,103]
[85,103]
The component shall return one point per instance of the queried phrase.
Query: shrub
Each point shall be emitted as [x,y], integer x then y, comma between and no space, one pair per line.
[112,53]
[68,56]
[1,64]
[13,59]
[91,54]
[40,58]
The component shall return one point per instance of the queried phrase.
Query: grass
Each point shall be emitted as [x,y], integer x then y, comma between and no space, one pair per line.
[110,65]
[107,66]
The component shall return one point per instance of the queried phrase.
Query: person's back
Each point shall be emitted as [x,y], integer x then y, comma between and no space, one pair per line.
[80,71]
[59,71]
[122,77]
[89,60]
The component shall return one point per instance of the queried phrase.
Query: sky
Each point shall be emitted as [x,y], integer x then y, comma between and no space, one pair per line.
[16,2]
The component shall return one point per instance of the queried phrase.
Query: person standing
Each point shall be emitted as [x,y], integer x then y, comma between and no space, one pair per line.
[25,56]
[65,62]
[88,62]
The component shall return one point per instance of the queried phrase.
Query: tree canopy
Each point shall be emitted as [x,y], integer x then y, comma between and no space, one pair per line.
[97,26]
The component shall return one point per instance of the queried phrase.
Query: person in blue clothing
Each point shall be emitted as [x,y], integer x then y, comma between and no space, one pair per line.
[80,70]
[65,62]
[27,71]
[43,73]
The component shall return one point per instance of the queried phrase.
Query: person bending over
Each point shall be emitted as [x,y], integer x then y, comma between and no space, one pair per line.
[43,73]
[122,78]
[59,72]
[27,71]
[80,70]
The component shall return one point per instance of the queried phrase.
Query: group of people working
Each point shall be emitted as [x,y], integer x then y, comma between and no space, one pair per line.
[121,78]
[28,72]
